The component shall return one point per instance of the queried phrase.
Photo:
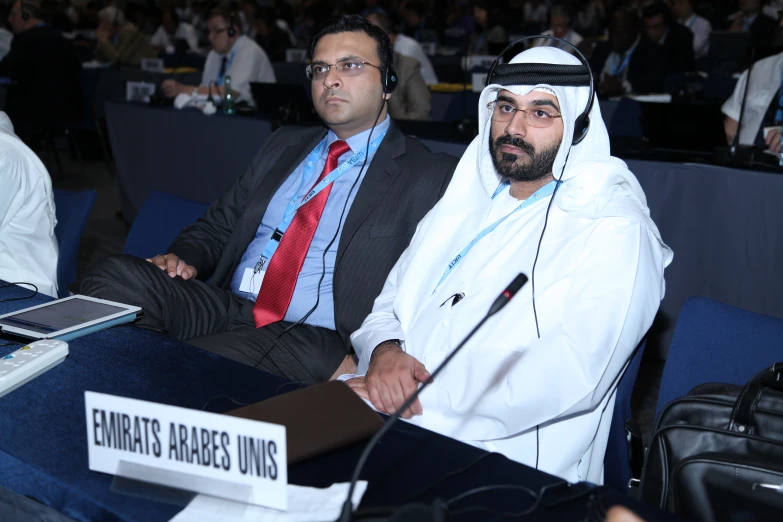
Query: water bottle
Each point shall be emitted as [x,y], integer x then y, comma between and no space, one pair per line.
[228,98]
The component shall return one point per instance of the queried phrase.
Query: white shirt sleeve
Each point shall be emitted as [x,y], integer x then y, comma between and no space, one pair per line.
[28,248]
[160,38]
[732,106]
[188,33]
[572,367]
[211,69]
[250,64]
[701,37]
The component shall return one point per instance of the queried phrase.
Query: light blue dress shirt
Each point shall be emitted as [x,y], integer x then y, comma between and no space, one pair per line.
[305,293]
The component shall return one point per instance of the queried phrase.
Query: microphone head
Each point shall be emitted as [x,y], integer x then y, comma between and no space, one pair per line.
[518,282]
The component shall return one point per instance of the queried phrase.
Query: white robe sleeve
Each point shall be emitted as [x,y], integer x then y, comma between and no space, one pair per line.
[494,389]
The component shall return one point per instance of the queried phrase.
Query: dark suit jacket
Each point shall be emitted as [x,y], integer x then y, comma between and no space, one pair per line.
[762,30]
[403,182]
[678,48]
[646,70]
[47,80]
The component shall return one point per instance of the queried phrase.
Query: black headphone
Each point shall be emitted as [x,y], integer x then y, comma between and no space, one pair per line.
[26,8]
[231,31]
[389,76]
[547,73]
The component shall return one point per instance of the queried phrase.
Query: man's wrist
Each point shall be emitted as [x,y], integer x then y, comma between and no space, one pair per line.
[385,346]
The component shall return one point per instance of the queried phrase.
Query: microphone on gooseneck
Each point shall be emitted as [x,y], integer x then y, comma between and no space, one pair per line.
[502,300]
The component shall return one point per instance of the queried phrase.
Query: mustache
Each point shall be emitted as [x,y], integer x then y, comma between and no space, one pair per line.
[519,143]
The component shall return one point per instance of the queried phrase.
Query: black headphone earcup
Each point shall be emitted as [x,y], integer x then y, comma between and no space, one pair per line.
[231,32]
[581,126]
[390,81]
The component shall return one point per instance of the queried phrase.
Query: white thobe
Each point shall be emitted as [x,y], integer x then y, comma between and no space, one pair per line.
[598,286]
[28,247]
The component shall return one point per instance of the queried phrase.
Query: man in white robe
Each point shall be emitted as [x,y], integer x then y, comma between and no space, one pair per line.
[535,383]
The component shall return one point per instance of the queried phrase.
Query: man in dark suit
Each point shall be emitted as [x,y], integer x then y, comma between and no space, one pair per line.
[275,254]
[676,41]
[751,19]
[623,64]
[45,71]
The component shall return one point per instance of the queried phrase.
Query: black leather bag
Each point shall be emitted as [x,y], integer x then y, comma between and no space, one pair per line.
[719,441]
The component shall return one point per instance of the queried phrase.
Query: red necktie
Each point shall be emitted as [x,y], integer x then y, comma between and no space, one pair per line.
[283,269]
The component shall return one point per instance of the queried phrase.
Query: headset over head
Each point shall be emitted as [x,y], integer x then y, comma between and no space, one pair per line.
[546,73]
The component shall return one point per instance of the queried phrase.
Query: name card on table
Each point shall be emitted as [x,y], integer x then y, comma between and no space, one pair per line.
[429,48]
[482,62]
[152,65]
[218,455]
[139,91]
[295,55]
[478,80]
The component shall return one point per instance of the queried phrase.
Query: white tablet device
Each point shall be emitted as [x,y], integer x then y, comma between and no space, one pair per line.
[67,318]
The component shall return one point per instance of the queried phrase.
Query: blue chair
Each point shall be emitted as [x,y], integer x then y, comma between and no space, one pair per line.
[617,464]
[159,220]
[73,207]
[714,342]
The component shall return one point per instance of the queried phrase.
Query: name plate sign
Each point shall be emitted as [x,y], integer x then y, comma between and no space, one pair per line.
[218,455]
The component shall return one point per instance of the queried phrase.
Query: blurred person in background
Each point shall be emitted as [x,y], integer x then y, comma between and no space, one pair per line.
[699,26]
[490,36]
[676,40]
[233,54]
[120,42]
[406,46]
[171,30]
[560,27]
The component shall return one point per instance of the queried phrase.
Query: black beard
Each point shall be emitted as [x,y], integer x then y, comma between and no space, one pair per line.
[540,164]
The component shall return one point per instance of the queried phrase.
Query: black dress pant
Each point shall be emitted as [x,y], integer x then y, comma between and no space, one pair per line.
[216,320]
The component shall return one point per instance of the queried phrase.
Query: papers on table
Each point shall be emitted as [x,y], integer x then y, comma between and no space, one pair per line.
[304,505]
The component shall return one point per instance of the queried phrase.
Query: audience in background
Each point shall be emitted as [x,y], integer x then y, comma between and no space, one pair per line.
[46,74]
[490,36]
[590,17]
[762,102]
[406,46]
[699,26]
[750,19]
[416,25]
[120,42]
[622,65]
[28,247]
[173,33]
[272,39]
[459,25]
[233,54]
[560,27]
[536,12]
[5,35]
[676,41]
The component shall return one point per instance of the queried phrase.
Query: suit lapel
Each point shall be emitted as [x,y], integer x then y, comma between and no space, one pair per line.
[289,159]
[380,175]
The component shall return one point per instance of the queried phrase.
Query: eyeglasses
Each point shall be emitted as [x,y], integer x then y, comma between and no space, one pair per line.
[217,31]
[503,112]
[319,70]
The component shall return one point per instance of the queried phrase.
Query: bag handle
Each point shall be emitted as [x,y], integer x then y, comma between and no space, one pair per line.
[744,409]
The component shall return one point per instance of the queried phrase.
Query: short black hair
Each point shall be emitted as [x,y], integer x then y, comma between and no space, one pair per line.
[227,14]
[658,8]
[356,24]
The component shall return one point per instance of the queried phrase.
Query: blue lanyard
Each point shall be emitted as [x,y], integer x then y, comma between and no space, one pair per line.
[620,66]
[540,194]
[690,22]
[294,205]
[228,64]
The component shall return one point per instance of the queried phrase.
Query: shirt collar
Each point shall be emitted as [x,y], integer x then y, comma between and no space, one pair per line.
[690,20]
[358,141]
[234,47]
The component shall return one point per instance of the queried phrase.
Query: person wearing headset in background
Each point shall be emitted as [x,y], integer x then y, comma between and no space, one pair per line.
[120,42]
[412,99]
[233,54]
[276,255]
[536,192]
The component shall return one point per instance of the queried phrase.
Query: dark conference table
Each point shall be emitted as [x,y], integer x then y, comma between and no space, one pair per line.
[182,152]
[43,451]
